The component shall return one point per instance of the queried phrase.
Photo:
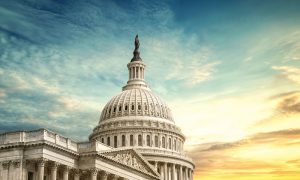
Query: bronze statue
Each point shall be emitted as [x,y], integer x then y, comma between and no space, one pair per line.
[136,53]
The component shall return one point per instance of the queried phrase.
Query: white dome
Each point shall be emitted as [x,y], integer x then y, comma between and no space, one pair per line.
[136,102]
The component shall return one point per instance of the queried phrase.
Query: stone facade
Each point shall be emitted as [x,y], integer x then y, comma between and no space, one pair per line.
[136,138]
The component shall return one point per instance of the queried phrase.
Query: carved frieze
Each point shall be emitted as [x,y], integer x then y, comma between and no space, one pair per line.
[130,160]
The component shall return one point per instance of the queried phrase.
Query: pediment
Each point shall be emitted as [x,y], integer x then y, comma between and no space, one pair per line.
[131,158]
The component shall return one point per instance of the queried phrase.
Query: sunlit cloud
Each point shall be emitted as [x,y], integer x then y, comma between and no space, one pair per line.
[262,155]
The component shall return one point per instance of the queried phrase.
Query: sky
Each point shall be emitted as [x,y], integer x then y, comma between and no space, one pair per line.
[229,70]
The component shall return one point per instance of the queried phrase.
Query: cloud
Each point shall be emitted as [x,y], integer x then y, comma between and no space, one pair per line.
[285,111]
[261,154]
[289,72]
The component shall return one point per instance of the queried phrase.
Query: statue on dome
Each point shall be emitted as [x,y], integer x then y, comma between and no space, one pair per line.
[136,42]
[136,53]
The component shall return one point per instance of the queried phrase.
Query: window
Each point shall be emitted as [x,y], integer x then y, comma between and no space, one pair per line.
[156,141]
[108,141]
[170,143]
[140,140]
[120,108]
[146,107]
[163,142]
[139,107]
[175,147]
[30,176]
[102,140]
[132,107]
[115,109]
[115,141]
[126,107]
[109,110]
[148,140]
[123,140]
[131,140]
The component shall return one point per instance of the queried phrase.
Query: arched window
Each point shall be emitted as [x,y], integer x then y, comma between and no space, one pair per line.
[170,143]
[102,140]
[123,140]
[115,109]
[115,141]
[140,140]
[108,141]
[132,107]
[139,107]
[131,140]
[156,141]
[148,140]
[126,107]
[120,108]
[163,142]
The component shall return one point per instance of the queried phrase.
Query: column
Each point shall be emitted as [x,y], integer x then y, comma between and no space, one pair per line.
[186,173]
[135,138]
[53,170]
[114,177]
[24,169]
[66,173]
[161,171]
[103,175]
[159,140]
[76,174]
[143,139]
[134,74]
[165,171]
[180,172]
[5,166]
[17,169]
[41,167]
[93,174]
[173,171]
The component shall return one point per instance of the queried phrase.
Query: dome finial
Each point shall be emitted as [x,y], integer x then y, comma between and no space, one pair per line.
[136,52]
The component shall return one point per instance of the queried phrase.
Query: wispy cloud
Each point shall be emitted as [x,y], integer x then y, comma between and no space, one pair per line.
[289,72]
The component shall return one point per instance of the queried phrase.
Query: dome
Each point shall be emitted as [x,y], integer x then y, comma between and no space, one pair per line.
[136,102]
[138,118]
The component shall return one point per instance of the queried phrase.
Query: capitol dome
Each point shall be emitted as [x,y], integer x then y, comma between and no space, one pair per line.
[137,118]
[136,102]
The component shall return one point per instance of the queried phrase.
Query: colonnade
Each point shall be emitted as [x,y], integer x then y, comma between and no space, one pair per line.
[158,140]
[136,72]
[42,169]
[171,171]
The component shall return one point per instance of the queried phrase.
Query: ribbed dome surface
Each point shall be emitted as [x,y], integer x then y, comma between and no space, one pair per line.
[136,102]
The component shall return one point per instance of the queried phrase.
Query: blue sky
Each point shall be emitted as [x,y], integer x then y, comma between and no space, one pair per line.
[219,64]
[79,50]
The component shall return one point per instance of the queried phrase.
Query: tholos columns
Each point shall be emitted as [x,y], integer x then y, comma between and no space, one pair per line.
[165,171]
[173,171]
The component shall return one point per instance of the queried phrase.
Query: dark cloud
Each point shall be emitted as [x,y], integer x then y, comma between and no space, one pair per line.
[283,95]
[289,104]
